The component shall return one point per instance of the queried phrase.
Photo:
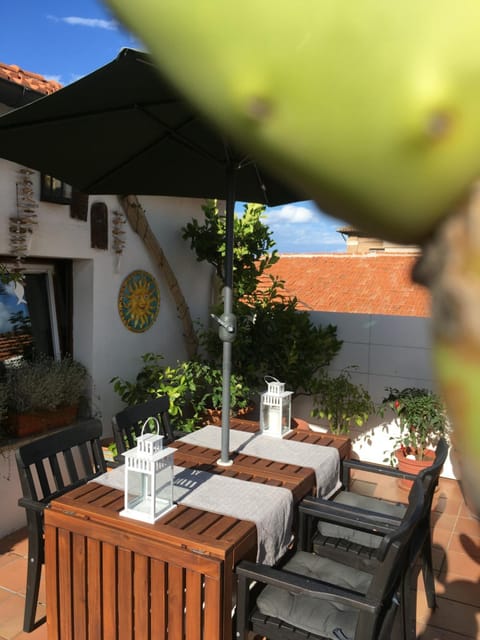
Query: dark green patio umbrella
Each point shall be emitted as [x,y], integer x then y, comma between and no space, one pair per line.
[123,130]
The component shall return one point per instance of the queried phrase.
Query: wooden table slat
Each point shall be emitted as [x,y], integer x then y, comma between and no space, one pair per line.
[125,594]
[158,619]
[143,592]
[193,614]
[94,602]
[79,596]
[108,586]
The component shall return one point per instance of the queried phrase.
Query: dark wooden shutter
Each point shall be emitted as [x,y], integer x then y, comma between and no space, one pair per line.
[99,225]
[79,205]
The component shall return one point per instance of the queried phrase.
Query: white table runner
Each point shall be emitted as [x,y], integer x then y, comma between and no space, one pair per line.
[325,461]
[270,508]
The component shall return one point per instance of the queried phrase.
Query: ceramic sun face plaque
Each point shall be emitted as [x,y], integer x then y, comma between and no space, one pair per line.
[138,301]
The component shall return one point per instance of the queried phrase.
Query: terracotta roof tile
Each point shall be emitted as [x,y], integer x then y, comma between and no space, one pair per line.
[34,81]
[369,283]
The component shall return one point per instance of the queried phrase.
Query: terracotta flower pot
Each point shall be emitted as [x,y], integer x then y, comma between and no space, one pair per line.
[21,425]
[214,416]
[410,465]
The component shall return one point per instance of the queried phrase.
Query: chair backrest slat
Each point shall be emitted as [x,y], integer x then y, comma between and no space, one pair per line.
[56,472]
[43,481]
[71,465]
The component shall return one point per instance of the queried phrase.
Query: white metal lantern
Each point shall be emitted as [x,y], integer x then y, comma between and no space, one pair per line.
[275,409]
[148,478]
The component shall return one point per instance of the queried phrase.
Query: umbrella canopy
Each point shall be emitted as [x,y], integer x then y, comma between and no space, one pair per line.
[124,130]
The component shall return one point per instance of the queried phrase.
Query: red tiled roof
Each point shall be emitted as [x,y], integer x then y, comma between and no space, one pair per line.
[28,79]
[369,283]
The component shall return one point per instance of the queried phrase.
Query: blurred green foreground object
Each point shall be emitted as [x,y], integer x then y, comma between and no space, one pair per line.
[372,109]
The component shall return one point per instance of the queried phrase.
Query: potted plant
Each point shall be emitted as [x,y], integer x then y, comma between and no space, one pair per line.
[341,402]
[193,386]
[43,393]
[422,420]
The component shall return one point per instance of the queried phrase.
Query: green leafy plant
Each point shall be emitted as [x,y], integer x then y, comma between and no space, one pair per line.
[44,383]
[253,243]
[193,387]
[421,417]
[341,402]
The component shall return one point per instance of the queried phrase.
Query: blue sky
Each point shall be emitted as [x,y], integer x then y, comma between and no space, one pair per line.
[64,40]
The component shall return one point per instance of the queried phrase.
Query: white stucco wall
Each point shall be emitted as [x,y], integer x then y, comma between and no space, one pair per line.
[386,351]
[383,351]
[101,342]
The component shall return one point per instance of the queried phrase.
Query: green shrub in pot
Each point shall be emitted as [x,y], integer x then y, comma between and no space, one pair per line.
[341,402]
[193,386]
[44,384]
[422,419]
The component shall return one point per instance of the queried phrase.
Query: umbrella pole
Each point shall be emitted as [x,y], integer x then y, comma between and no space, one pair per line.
[227,328]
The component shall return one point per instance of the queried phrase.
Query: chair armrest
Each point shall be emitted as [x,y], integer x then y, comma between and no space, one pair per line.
[32,505]
[298,584]
[371,467]
[36,505]
[348,516]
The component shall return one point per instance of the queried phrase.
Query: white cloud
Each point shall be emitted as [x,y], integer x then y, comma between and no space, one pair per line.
[95,23]
[54,78]
[316,235]
[290,213]
[302,228]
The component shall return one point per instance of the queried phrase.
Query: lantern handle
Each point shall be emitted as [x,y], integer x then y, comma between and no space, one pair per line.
[147,422]
[268,379]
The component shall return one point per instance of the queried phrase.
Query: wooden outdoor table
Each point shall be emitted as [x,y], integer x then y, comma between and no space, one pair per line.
[110,577]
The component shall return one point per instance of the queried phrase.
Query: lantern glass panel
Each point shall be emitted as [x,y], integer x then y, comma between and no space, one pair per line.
[164,483]
[148,484]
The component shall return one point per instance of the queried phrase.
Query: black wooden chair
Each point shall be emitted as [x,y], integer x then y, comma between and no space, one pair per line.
[315,597]
[127,424]
[49,467]
[360,545]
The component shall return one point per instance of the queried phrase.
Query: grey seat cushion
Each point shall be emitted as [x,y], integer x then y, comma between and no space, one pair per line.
[362,502]
[311,614]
